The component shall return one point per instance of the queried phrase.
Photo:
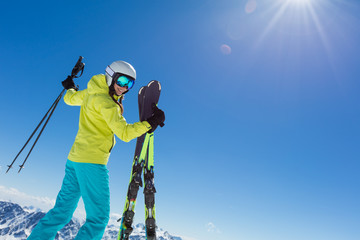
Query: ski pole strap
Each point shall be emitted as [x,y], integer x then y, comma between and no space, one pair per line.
[79,66]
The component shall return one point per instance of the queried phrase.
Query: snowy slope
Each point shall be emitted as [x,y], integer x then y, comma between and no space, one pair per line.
[16,222]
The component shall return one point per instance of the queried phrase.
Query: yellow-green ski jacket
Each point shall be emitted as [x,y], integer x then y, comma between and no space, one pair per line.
[100,119]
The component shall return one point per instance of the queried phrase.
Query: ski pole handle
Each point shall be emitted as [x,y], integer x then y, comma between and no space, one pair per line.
[79,66]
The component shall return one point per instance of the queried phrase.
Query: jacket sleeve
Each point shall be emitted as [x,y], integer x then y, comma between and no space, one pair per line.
[117,123]
[74,98]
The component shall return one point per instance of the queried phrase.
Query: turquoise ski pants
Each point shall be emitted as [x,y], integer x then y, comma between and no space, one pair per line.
[86,180]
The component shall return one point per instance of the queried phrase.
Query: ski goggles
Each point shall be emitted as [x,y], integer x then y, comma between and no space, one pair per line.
[125,81]
[121,80]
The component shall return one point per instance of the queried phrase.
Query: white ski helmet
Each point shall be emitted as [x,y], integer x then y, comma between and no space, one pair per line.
[119,67]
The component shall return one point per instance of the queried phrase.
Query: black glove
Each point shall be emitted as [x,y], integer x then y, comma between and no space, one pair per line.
[68,83]
[156,119]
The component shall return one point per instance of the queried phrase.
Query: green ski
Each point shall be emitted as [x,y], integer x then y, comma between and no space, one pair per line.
[143,163]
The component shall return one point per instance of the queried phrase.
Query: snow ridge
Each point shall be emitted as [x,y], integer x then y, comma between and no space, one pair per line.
[16,223]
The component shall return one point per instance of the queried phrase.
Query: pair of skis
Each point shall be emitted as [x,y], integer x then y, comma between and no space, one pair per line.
[143,163]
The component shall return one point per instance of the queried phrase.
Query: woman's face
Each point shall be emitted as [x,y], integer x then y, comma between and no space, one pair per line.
[119,90]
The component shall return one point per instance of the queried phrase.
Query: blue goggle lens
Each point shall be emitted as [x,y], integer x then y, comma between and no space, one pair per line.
[124,81]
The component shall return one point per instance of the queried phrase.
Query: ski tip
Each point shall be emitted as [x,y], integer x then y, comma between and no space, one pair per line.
[154,82]
[21,167]
[141,90]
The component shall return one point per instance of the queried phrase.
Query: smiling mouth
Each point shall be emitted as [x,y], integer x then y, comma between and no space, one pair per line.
[121,91]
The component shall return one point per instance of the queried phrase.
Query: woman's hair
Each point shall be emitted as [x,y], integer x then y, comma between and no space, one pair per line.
[111,93]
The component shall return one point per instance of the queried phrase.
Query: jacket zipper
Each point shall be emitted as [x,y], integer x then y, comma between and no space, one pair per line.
[112,145]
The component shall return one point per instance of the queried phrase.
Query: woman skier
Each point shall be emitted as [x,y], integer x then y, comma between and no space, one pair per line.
[86,174]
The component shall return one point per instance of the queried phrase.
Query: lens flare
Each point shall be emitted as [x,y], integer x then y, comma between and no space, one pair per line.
[250,6]
[225,49]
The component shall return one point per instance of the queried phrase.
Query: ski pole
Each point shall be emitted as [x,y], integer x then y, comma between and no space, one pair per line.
[42,129]
[79,66]
[55,102]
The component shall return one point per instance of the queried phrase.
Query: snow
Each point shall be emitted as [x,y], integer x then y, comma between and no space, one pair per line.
[16,222]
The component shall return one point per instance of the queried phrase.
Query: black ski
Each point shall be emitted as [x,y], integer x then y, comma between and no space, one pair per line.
[147,96]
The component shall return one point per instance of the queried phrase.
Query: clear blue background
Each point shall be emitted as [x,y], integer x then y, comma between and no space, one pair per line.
[260,143]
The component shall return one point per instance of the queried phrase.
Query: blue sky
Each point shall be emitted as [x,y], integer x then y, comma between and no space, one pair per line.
[261,98]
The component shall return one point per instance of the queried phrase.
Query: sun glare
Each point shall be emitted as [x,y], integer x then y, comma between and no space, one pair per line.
[294,17]
[298,1]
